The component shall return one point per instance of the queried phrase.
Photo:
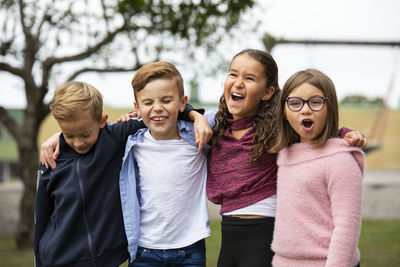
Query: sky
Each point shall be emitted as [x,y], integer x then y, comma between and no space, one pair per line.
[354,69]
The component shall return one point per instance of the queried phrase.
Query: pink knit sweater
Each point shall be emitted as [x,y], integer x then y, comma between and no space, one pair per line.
[318,215]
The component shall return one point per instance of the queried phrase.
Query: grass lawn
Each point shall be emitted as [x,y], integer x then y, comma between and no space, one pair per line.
[379,245]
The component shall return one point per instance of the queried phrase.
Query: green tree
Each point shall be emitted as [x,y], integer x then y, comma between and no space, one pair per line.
[361,100]
[45,43]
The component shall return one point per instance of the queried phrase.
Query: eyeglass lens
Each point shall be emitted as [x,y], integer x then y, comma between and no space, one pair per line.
[296,103]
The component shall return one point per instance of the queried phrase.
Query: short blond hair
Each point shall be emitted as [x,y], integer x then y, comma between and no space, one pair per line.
[72,98]
[156,70]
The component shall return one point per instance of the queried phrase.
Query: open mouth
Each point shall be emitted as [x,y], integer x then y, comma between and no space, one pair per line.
[307,123]
[158,119]
[237,97]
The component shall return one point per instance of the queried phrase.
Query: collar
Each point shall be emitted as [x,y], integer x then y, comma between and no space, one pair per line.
[184,126]
[242,123]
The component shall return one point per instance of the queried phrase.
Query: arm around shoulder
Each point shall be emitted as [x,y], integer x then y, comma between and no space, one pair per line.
[121,130]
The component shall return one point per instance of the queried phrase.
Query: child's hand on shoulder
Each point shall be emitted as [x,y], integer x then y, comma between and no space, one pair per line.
[202,130]
[126,117]
[50,150]
[356,138]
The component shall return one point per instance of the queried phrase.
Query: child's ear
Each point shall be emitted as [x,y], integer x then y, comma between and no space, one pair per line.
[137,108]
[184,100]
[103,120]
[269,92]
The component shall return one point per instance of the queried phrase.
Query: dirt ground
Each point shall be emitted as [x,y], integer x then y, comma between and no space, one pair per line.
[381,191]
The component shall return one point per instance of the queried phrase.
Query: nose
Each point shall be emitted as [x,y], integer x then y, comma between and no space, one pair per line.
[305,108]
[78,142]
[239,83]
[158,107]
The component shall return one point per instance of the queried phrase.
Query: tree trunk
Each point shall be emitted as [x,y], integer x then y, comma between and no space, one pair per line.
[28,166]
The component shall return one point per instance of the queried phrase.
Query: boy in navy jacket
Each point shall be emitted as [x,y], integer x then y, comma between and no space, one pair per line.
[78,218]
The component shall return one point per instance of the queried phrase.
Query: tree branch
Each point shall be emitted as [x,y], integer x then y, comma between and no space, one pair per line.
[22,16]
[79,72]
[44,18]
[48,63]
[13,70]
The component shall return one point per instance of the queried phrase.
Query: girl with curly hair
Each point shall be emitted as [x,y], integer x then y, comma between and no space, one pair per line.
[241,172]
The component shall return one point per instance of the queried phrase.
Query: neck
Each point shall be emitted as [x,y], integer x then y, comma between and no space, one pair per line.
[167,136]
[238,127]
[239,133]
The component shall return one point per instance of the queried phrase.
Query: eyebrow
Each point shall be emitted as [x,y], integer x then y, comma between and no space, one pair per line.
[252,75]
[308,98]
[232,70]
[247,74]
[150,99]
[86,132]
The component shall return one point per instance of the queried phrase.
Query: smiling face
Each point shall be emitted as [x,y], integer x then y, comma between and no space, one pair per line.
[81,132]
[245,87]
[306,123]
[159,103]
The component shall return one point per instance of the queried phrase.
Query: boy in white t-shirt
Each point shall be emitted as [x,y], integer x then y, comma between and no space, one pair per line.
[163,177]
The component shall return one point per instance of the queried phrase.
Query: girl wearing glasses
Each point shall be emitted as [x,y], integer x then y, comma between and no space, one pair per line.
[318,215]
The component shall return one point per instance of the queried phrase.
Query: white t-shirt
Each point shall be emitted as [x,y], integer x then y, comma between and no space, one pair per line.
[172,183]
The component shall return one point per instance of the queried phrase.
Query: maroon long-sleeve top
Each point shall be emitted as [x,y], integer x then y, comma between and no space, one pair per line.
[233,180]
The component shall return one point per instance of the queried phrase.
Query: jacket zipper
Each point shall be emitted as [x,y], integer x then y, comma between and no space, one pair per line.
[89,237]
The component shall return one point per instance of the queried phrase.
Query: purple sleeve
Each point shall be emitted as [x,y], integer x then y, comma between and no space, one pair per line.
[343,131]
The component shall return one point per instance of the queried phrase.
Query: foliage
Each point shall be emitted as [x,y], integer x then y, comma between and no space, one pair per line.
[48,42]
[360,100]
[192,20]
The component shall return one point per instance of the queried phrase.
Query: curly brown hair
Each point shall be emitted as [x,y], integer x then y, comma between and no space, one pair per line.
[265,122]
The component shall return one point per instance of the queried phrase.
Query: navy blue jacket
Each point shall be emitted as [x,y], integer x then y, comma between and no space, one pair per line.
[78,217]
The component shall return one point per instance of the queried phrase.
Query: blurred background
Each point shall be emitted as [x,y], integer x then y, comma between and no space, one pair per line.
[45,43]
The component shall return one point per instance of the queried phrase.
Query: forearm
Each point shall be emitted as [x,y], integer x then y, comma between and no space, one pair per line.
[189,113]
[345,194]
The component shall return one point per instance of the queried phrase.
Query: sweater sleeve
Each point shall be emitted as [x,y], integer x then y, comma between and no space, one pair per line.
[344,189]
[343,131]
[43,211]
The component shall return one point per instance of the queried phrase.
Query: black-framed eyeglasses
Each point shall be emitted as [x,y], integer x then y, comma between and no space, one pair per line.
[315,103]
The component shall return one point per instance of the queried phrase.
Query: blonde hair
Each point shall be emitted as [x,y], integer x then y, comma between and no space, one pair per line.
[73,98]
[156,70]
[286,135]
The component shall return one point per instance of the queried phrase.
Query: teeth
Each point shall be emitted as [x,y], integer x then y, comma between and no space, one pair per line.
[158,119]
[236,94]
